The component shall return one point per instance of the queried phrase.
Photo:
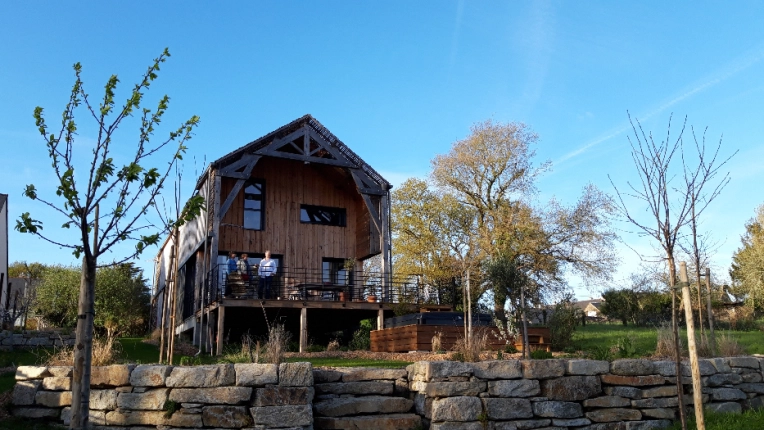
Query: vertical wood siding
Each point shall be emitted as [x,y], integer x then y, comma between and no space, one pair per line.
[288,184]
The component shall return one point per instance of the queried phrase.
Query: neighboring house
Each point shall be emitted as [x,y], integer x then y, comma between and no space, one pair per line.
[321,211]
[591,308]
[4,293]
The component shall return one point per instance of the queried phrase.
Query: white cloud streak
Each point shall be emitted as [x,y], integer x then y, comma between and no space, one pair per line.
[728,71]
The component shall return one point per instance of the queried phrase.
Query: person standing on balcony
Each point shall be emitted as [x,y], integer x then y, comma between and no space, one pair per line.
[233,266]
[266,270]
[244,268]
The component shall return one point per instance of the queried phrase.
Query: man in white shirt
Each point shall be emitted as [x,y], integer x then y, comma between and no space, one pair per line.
[266,270]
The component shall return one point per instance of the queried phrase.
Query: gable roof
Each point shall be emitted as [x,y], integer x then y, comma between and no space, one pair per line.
[282,135]
[583,304]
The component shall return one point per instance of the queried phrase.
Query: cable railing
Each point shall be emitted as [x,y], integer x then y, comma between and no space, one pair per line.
[290,283]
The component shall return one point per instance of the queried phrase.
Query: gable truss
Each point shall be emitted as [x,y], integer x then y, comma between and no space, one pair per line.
[304,144]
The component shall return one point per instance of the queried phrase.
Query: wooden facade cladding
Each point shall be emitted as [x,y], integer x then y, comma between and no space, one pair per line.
[289,184]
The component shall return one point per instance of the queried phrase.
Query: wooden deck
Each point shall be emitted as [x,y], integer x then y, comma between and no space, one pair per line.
[418,337]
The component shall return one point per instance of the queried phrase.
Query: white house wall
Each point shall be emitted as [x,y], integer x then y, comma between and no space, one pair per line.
[162,274]
[4,247]
[192,234]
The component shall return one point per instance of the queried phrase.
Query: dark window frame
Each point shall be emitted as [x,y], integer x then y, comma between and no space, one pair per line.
[261,184]
[323,215]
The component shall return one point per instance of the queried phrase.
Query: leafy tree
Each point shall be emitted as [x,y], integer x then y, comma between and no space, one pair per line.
[22,269]
[125,192]
[57,295]
[122,298]
[428,234]
[620,305]
[492,173]
[747,271]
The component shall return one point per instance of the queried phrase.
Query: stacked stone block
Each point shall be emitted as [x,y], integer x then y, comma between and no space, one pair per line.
[219,396]
[441,395]
[34,339]
[363,398]
[575,394]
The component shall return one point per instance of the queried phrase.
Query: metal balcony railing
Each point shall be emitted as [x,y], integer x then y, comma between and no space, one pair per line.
[318,285]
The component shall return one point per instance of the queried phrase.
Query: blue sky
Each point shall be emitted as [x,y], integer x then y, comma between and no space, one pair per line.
[400,81]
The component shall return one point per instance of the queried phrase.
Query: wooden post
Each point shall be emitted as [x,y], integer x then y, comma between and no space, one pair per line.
[697,388]
[221,327]
[468,314]
[380,319]
[710,314]
[385,238]
[304,329]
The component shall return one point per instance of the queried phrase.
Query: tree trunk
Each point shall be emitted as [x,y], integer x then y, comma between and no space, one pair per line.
[710,313]
[469,313]
[678,353]
[83,350]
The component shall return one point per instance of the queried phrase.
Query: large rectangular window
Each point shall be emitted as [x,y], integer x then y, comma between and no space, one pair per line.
[323,215]
[336,271]
[254,205]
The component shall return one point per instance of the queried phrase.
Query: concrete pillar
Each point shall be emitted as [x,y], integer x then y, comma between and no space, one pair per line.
[380,319]
[304,330]
[221,332]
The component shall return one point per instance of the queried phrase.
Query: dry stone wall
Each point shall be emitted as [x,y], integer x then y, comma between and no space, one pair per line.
[10,340]
[440,395]
[256,396]
[575,394]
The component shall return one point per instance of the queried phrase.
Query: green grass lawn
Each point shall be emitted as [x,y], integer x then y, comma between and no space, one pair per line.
[643,339]
[750,420]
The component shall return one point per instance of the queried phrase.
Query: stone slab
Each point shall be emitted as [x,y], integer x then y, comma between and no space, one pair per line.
[215,395]
[382,422]
[149,375]
[282,416]
[344,406]
[218,375]
[253,374]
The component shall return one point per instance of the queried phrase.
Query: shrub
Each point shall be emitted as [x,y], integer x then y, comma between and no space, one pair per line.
[436,342]
[105,351]
[362,337]
[470,351]
[278,341]
[510,348]
[600,353]
[333,345]
[540,354]
[316,348]
[665,342]
[728,346]
[563,323]
[625,347]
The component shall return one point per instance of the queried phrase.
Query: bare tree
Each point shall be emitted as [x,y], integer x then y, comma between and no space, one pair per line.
[669,202]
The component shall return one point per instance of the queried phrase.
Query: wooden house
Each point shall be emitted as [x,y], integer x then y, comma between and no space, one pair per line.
[320,210]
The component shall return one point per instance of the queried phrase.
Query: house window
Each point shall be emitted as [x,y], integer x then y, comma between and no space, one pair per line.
[334,271]
[254,205]
[322,215]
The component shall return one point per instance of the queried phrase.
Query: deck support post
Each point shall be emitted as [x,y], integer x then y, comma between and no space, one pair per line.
[380,319]
[304,330]
[221,320]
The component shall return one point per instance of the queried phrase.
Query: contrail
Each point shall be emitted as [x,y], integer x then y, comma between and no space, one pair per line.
[722,75]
